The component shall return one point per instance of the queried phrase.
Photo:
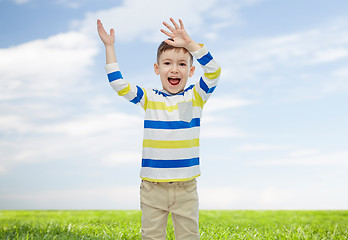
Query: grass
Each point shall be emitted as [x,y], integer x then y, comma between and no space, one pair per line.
[213,225]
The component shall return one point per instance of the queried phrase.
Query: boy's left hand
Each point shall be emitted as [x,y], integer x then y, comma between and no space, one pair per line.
[180,36]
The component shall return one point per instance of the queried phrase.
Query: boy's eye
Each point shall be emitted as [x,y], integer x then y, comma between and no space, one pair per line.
[166,63]
[183,64]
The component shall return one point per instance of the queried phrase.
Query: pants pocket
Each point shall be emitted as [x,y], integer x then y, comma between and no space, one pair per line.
[146,186]
[190,187]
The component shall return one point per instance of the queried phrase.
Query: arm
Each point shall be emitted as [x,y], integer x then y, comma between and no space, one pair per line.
[207,83]
[132,93]
[109,42]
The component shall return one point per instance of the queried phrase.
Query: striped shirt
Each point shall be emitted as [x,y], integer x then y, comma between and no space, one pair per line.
[172,122]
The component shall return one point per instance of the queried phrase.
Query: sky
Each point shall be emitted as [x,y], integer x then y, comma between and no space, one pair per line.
[273,135]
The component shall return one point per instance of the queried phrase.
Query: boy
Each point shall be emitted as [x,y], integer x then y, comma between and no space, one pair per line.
[170,161]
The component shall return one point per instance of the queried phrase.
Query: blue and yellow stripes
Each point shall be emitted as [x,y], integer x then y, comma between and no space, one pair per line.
[113,76]
[155,105]
[117,76]
[198,100]
[205,87]
[139,96]
[205,59]
[172,125]
[161,106]
[177,163]
[171,144]
[213,75]
[124,91]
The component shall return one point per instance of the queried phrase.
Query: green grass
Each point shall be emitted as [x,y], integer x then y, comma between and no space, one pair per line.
[213,225]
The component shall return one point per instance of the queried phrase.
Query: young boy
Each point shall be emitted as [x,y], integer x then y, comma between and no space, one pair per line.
[170,161]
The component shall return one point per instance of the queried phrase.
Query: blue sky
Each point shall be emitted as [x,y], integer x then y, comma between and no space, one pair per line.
[274,135]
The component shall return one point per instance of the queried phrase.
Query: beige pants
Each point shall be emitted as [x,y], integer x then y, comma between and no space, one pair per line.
[158,199]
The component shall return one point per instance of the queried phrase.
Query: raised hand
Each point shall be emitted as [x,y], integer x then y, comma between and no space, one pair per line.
[180,36]
[108,39]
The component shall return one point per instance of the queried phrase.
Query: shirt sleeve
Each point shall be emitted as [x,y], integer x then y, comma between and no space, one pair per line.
[131,92]
[207,83]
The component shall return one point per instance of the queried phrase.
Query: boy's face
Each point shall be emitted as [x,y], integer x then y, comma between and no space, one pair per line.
[174,69]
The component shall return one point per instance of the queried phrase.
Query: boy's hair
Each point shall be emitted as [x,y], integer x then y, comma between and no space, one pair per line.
[164,47]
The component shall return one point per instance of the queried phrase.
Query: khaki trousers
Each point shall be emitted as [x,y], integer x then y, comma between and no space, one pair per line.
[157,199]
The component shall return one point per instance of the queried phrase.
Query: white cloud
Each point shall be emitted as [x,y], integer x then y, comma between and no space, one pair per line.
[338,81]
[128,28]
[13,123]
[47,66]
[307,158]
[87,137]
[304,153]
[106,197]
[38,123]
[224,102]
[2,170]
[115,159]
[285,63]
[197,15]
[91,125]
[341,73]
[69,4]
[271,197]
[330,55]
[86,125]
[216,111]
[292,50]
[261,147]
[219,132]
[21,1]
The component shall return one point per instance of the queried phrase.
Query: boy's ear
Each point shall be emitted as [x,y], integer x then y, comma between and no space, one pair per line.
[156,68]
[192,70]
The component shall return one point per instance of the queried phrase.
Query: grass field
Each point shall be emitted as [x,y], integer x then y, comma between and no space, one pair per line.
[213,225]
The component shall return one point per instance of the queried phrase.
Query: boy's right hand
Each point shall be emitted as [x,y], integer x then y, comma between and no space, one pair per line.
[108,39]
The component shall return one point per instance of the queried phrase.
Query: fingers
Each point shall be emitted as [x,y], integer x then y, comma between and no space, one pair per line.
[176,26]
[101,29]
[167,33]
[174,23]
[99,24]
[169,27]
[181,24]
[170,42]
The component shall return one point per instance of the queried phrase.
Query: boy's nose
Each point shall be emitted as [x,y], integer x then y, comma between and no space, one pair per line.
[174,68]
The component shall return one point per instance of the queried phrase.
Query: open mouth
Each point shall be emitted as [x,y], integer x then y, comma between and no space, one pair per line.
[174,81]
